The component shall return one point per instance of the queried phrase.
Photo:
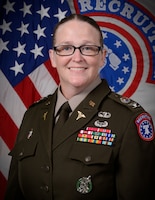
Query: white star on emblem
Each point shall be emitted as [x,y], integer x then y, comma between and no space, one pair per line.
[104,34]
[125,69]
[126,56]
[120,80]
[23,28]
[5,26]
[39,32]
[118,43]
[3,45]
[17,68]
[60,14]
[20,49]
[26,9]
[9,7]
[37,51]
[43,12]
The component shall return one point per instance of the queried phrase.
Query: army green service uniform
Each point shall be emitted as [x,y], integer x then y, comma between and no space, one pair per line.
[106,151]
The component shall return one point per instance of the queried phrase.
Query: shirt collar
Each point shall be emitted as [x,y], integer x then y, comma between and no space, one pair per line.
[77,99]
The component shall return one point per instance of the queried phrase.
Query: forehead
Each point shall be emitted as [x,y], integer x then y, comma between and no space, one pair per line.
[77,30]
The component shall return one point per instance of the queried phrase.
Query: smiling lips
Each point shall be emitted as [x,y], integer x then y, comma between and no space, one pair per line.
[77,68]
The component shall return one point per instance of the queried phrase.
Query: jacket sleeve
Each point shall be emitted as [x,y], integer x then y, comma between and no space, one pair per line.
[136,162]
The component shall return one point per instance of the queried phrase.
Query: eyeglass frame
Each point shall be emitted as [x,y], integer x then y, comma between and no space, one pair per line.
[80,47]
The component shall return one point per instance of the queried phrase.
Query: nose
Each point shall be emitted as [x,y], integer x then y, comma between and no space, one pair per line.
[77,56]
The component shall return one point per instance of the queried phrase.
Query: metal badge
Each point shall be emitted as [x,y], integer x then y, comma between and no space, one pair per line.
[84,185]
[80,115]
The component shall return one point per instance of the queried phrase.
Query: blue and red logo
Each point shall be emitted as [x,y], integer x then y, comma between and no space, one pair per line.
[128,32]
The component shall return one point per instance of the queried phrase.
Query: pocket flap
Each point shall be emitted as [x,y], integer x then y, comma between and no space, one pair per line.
[91,153]
[25,148]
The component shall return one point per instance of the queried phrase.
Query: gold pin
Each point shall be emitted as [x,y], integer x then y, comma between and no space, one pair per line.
[80,115]
[45,115]
[48,103]
[91,103]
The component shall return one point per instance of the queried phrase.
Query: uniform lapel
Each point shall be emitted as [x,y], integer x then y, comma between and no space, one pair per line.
[83,113]
[46,122]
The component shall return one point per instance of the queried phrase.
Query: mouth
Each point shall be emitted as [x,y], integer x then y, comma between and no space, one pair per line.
[77,68]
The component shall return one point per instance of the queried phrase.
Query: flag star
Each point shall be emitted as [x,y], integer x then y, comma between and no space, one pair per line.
[125,69]
[23,28]
[37,51]
[20,49]
[118,43]
[40,32]
[60,14]
[43,12]
[17,68]
[126,56]
[26,9]
[3,45]
[5,26]
[120,80]
[9,7]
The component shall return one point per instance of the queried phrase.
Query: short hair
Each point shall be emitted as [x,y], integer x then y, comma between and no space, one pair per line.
[79,17]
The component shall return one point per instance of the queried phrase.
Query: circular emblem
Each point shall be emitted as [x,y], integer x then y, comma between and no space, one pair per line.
[84,185]
[145,127]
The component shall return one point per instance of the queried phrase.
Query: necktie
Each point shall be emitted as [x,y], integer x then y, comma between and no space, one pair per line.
[63,116]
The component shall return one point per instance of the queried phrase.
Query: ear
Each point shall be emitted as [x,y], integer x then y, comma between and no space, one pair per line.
[103,57]
[52,57]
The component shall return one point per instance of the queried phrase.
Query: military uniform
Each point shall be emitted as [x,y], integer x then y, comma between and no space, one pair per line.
[106,151]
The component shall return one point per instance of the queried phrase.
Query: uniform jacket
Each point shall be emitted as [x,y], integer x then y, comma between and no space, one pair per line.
[80,165]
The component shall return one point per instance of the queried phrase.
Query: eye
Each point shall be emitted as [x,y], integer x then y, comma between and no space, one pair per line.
[67,48]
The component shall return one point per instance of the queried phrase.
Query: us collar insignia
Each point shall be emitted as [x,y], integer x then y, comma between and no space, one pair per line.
[80,115]
[84,185]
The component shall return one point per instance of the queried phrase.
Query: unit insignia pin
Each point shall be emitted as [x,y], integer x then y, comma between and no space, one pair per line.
[30,134]
[84,185]
[45,115]
[80,115]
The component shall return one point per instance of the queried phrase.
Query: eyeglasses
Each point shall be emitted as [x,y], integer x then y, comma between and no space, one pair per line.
[67,50]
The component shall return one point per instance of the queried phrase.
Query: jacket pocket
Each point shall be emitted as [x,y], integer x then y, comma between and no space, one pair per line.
[91,154]
[24,149]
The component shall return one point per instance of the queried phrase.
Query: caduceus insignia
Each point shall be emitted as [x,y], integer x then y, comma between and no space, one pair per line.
[80,115]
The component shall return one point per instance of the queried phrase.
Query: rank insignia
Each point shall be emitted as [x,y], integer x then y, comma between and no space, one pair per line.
[84,185]
[96,136]
[145,127]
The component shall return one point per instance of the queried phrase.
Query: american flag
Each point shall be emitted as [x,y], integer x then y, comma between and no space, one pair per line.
[26,73]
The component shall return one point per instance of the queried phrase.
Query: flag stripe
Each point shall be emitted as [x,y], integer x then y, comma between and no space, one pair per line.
[43,81]
[52,71]
[8,134]
[27,91]
[3,182]
[7,99]
[4,158]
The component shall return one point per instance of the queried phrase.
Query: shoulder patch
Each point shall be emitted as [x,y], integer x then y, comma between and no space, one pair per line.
[145,127]
[43,99]
[132,105]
